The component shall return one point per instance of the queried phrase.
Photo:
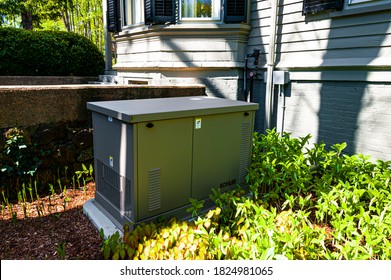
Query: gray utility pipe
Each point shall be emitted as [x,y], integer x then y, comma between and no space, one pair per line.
[270,61]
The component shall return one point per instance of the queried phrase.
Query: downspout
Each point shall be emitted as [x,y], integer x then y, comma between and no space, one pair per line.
[281,93]
[245,79]
[270,61]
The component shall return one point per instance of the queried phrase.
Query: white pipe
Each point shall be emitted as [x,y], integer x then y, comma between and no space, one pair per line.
[270,61]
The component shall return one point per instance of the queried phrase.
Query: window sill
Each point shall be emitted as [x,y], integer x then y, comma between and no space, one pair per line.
[164,65]
[202,27]
[361,10]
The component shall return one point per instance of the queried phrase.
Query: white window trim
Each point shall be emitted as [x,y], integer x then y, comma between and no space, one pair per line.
[353,4]
[353,7]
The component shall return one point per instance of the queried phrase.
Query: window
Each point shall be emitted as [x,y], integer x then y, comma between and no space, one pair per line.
[348,6]
[235,11]
[200,9]
[358,1]
[171,11]
[133,12]
[316,6]
[353,4]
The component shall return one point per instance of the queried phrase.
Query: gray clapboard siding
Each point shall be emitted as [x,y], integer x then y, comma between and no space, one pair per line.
[351,101]
[303,26]
[337,43]
[354,112]
[380,29]
[314,41]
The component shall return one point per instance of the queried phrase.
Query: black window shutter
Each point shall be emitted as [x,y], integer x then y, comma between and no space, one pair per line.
[316,6]
[235,11]
[160,11]
[113,16]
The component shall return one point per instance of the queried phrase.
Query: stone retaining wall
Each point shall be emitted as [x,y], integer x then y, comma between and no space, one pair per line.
[56,124]
[32,105]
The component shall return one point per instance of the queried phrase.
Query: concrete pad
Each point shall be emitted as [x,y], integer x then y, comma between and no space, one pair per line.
[99,219]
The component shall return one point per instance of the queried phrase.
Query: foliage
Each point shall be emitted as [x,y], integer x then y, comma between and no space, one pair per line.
[165,240]
[20,159]
[85,175]
[61,250]
[196,206]
[304,203]
[29,196]
[349,196]
[10,12]
[26,13]
[84,17]
[48,53]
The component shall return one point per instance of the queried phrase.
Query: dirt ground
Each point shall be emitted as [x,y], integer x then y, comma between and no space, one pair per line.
[49,231]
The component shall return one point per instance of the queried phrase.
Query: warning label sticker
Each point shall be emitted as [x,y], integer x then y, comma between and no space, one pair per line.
[197,123]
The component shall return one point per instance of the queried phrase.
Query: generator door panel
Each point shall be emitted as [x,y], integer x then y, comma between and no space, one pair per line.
[164,165]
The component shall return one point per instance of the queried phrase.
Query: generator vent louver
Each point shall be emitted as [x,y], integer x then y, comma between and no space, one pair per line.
[245,151]
[154,194]
[109,185]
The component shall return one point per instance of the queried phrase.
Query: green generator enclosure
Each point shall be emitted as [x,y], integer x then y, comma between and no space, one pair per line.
[152,155]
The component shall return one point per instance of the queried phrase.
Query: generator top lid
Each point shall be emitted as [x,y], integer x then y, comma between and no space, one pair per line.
[139,110]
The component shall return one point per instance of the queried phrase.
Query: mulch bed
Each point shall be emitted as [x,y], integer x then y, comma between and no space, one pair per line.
[52,232]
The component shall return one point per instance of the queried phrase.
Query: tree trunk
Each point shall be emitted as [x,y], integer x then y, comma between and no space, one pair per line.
[27,20]
[27,15]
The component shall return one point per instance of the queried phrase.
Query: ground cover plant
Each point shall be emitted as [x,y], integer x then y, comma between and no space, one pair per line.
[304,203]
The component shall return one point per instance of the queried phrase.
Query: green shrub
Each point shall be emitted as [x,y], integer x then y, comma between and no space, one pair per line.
[347,195]
[48,53]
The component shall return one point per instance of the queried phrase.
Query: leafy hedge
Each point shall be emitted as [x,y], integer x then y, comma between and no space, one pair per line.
[305,203]
[48,53]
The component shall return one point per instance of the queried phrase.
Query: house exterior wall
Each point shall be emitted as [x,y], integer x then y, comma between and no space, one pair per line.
[354,112]
[339,65]
[206,53]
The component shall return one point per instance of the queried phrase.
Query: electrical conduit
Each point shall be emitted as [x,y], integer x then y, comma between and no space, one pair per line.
[270,61]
